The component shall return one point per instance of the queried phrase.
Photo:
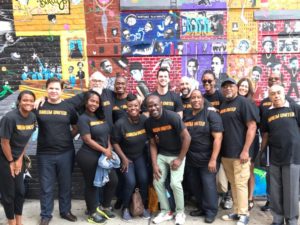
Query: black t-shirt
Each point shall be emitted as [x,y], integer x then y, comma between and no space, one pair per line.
[130,136]
[119,109]
[282,125]
[107,97]
[17,129]
[54,122]
[187,107]
[98,129]
[166,130]
[170,101]
[200,127]
[266,104]
[235,114]
[215,99]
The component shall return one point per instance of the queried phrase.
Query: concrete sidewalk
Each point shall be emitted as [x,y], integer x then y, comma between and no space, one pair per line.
[32,210]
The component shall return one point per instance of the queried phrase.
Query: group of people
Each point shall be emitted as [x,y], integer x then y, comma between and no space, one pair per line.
[178,138]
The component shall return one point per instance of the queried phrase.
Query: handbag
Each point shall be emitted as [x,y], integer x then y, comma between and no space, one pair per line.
[152,199]
[136,207]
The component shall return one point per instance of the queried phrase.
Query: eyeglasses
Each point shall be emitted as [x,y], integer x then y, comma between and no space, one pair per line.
[97,81]
[273,78]
[207,81]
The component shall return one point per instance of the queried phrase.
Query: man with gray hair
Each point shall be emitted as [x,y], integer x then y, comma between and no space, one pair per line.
[280,127]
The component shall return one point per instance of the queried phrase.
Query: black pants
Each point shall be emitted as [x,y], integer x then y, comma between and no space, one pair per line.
[12,190]
[88,161]
[204,187]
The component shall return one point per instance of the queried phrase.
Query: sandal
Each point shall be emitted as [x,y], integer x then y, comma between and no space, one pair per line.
[250,204]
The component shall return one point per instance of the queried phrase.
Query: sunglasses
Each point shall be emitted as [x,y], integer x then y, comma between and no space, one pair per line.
[273,78]
[207,81]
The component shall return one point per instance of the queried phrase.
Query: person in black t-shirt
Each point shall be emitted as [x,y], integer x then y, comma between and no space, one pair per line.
[215,98]
[205,127]
[263,108]
[186,90]
[120,94]
[239,121]
[280,127]
[94,131]
[169,143]
[129,141]
[16,127]
[213,95]
[55,151]
[245,89]
[170,100]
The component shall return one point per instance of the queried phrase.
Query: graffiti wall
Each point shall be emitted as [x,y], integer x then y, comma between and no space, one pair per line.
[71,39]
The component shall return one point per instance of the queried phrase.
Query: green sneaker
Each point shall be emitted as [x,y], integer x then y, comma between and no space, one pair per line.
[106,213]
[96,218]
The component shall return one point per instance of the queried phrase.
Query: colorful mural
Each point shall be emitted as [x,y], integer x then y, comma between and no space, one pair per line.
[71,39]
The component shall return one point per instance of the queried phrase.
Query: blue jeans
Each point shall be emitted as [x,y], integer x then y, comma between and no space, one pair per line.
[137,171]
[52,167]
[204,187]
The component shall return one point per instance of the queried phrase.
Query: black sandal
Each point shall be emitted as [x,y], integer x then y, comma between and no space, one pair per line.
[250,204]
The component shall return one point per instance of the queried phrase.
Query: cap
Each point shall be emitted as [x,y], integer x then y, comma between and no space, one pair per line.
[268,39]
[228,80]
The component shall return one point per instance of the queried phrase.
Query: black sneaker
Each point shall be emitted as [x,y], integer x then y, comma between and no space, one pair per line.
[96,218]
[106,213]
[266,207]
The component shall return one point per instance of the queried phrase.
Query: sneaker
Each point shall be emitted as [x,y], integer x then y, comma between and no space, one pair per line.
[126,215]
[96,218]
[180,218]
[243,220]
[230,217]
[266,207]
[228,203]
[162,217]
[106,213]
[146,214]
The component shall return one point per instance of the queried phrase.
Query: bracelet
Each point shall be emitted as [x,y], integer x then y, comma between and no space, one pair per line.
[11,161]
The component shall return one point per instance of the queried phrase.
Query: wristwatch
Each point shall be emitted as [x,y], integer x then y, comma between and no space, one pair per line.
[11,161]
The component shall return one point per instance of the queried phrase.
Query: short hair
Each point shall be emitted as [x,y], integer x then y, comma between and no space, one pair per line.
[131,97]
[99,75]
[218,56]
[257,68]
[193,60]
[209,72]
[118,76]
[55,80]
[162,69]
[135,66]
[80,63]
[151,96]
[276,87]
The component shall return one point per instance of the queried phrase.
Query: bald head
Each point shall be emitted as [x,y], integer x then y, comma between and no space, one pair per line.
[154,106]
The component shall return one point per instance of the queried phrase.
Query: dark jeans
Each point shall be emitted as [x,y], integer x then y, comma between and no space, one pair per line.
[137,173]
[52,167]
[204,188]
[12,190]
[88,162]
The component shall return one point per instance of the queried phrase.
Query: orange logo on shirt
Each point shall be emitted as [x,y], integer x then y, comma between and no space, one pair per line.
[161,129]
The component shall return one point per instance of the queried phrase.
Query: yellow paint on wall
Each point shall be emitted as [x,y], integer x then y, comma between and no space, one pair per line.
[283,4]
[25,21]
[241,29]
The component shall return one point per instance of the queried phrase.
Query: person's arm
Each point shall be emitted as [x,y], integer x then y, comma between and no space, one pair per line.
[39,102]
[264,141]
[185,140]
[212,164]
[87,139]
[250,135]
[124,159]
[180,113]
[74,130]
[8,155]
[153,153]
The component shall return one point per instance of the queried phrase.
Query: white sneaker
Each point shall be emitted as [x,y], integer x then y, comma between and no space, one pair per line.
[162,217]
[180,218]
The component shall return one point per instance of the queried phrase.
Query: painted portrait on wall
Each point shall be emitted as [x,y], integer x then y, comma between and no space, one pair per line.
[75,49]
